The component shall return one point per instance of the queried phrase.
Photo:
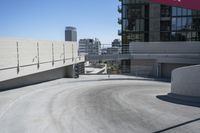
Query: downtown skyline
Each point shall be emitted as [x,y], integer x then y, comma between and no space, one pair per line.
[47,19]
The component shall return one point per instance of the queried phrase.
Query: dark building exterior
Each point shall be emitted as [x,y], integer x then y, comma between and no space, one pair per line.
[144,21]
[116,43]
[70,34]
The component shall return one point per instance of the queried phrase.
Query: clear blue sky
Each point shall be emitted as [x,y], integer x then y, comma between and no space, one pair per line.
[46,19]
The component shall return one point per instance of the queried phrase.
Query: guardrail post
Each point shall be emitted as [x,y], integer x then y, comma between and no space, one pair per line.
[18,69]
[64,53]
[72,52]
[52,54]
[38,56]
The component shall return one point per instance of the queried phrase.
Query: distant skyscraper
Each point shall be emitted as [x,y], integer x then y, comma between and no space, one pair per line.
[70,34]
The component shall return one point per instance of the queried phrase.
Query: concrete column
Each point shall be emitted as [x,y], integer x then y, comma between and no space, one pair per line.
[154,22]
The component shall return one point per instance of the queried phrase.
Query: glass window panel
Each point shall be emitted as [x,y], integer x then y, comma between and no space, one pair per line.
[189,36]
[143,11]
[173,11]
[179,13]
[125,24]
[189,23]
[131,25]
[165,26]
[178,36]
[183,36]
[137,25]
[173,36]
[173,24]
[189,12]
[184,23]
[184,12]
[125,11]
[193,36]
[165,11]
[141,25]
[178,23]
[196,23]
[194,13]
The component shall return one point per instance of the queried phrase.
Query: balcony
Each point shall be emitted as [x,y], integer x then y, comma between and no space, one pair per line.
[119,21]
[119,9]
[119,32]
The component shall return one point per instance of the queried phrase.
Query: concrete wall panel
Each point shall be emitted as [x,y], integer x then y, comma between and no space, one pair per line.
[63,72]
[45,49]
[186,81]
[34,57]
[8,54]
[27,52]
[68,50]
[165,47]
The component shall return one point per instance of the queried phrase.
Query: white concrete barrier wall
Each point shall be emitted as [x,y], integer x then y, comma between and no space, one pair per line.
[8,54]
[186,81]
[23,57]
[165,47]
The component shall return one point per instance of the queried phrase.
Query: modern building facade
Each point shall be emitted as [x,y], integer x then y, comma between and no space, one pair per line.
[144,21]
[89,46]
[116,43]
[70,34]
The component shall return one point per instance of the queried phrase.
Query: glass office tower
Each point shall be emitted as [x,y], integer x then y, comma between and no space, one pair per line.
[143,21]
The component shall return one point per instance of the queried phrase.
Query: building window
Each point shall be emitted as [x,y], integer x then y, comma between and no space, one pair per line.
[183,24]
[165,11]
[165,26]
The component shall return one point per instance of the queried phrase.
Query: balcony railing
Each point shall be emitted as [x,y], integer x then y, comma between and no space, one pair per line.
[119,9]
[119,32]
[119,21]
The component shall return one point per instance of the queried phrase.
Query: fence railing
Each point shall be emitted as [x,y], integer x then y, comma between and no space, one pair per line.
[17,54]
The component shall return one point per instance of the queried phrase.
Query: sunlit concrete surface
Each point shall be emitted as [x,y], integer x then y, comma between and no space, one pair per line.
[22,57]
[96,104]
[185,81]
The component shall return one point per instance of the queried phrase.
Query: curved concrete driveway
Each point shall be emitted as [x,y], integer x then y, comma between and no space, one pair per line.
[95,105]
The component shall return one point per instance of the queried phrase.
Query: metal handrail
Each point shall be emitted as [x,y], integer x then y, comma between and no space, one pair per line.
[34,64]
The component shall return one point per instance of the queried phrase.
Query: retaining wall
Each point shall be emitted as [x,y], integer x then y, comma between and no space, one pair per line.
[186,81]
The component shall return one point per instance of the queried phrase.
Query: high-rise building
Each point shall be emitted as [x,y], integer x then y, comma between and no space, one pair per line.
[70,34]
[144,21]
[89,46]
[116,43]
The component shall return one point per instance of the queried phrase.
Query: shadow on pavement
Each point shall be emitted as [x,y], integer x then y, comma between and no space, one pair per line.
[170,99]
[178,125]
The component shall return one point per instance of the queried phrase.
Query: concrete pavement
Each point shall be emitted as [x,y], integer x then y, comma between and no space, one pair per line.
[95,104]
